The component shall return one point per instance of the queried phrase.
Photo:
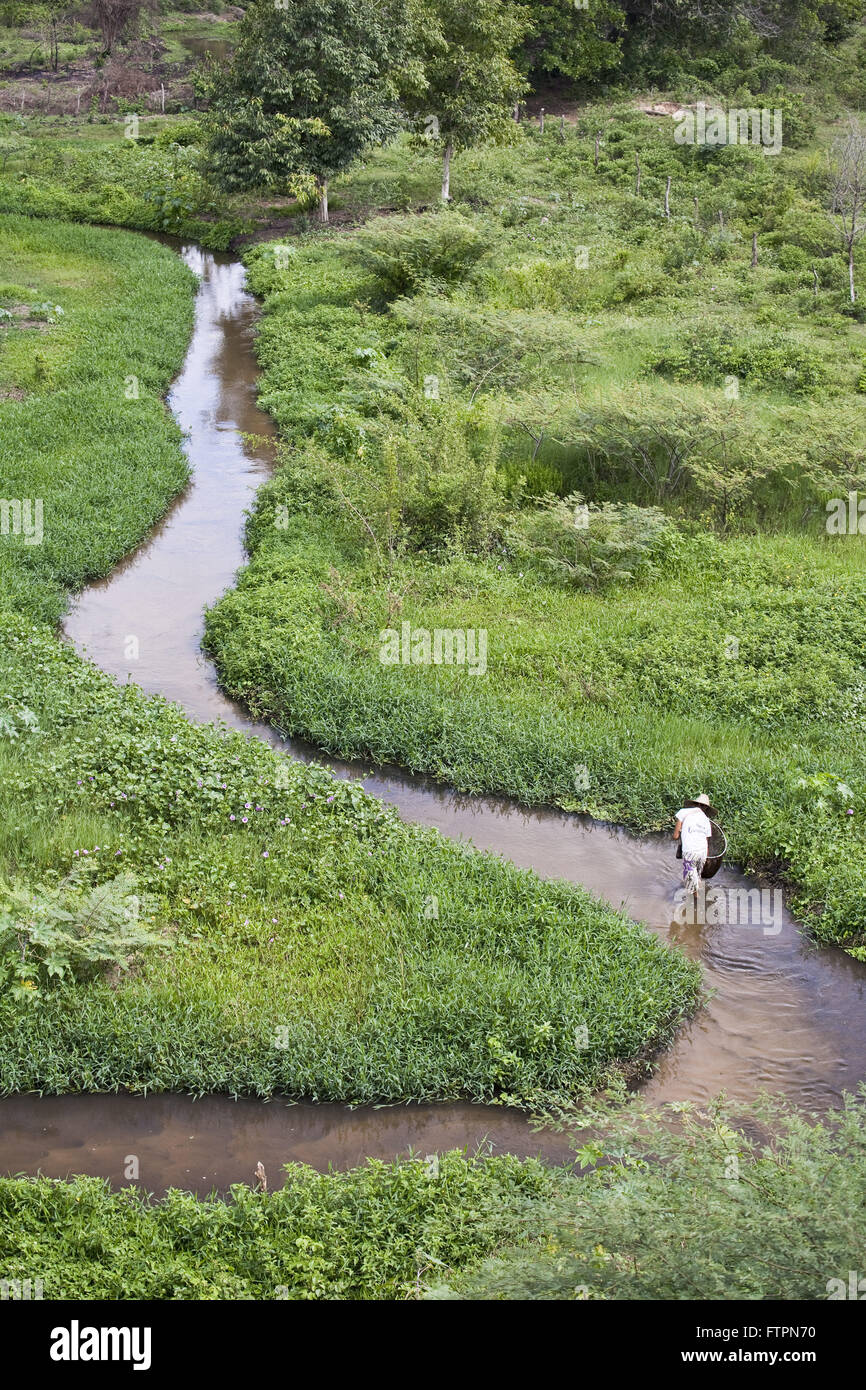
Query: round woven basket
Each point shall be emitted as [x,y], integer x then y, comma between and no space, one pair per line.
[716,846]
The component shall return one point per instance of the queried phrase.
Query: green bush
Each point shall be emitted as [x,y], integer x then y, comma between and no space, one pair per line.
[747,1218]
[377,1232]
[69,931]
[588,547]
[775,361]
[406,254]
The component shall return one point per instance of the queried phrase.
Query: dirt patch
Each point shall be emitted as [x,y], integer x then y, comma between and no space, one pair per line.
[22,313]
[660,108]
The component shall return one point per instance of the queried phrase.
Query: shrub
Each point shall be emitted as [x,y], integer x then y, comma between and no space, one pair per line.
[771,361]
[69,931]
[747,1219]
[406,254]
[589,546]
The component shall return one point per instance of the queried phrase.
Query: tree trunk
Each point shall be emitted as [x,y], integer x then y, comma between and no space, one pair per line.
[851,272]
[668,197]
[637,173]
[323,201]
[754,248]
[446,173]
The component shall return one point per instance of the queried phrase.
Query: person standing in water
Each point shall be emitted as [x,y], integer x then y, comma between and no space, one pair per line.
[693,828]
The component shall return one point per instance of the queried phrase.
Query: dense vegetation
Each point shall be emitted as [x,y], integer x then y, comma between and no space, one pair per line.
[92,327]
[688,1206]
[379,1232]
[475,393]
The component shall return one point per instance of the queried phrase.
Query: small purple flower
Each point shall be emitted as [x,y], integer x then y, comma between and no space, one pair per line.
[265,854]
[850,811]
[244,819]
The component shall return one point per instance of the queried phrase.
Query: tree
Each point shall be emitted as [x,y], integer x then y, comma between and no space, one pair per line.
[462,89]
[309,88]
[114,18]
[577,42]
[848,192]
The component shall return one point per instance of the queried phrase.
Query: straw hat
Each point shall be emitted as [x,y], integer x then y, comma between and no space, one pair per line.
[702,803]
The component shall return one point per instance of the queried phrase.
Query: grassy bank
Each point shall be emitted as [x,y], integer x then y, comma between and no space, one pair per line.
[93,325]
[113,173]
[456,391]
[375,1233]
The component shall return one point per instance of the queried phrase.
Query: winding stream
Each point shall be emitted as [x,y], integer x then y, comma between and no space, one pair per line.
[785,1014]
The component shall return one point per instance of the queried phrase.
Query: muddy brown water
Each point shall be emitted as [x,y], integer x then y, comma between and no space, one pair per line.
[785,1015]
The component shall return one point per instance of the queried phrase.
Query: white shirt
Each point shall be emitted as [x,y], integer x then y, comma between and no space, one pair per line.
[696,830]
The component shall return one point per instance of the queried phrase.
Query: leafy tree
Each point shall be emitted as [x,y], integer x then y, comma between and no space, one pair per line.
[308,89]
[578,43]
[462,89]
[45,17]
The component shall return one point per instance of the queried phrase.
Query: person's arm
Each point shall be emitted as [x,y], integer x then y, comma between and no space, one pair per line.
[677,828]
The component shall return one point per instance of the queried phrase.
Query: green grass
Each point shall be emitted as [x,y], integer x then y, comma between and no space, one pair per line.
[104,466]
[322,948]
[63,167]
[747,1219]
